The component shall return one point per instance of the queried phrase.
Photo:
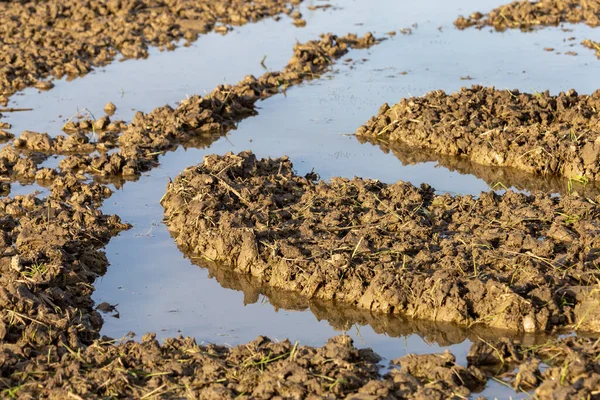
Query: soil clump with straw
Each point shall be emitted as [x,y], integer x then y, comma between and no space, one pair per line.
[511,261]
[539,133]
[526,15]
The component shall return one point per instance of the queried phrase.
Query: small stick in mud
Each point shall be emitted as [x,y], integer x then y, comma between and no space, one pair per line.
[14,109]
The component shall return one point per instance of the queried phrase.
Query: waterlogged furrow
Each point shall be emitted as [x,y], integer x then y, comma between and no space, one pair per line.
[511,261]
[537,133]
[496,177]
[42,40]
[528,15]
[198,118]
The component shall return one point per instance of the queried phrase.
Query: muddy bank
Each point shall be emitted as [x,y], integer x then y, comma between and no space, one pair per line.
[181,368]
[49,257]
[45,40]
[498,178]
[526,15]
[260,369]
[198,118]
[265,369]
[560,369]
[396,248]
[343,317]
[536,133]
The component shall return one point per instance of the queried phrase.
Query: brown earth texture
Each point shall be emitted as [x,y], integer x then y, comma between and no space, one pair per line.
[51,255]
[382,253]
[537,133]
[263,369]
[46,39]
[199,118]
[525,14]
[512,261]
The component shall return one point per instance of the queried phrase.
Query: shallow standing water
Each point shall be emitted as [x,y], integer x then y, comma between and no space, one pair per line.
[159,290]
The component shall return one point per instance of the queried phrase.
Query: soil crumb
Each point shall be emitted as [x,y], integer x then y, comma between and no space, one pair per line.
[526,15]
[590,44]
[537,133]
[56,38]
[511,261]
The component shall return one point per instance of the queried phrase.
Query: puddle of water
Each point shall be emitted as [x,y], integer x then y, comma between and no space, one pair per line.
[18,188]
[167,77]
[157,288]
[496,390]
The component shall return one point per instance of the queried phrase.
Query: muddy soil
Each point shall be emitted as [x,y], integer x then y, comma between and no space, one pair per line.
[149,135]
[260,369]
[265,369]
[526,15]
[49,325]
[395,248]
[50,249]
[559,369]
[537,133]
[343,317]
[50,256]
[590,44]
[45,40]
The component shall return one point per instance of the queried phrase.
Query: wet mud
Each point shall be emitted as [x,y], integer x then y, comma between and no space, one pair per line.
[343,317]
[138,145]
[539,133]
[378,240]
[526,15]
[45,40]
[52,254]
[511,261]
[560,369]
[266,369]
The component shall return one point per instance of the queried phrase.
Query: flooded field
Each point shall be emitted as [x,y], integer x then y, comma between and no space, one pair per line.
[307,100]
